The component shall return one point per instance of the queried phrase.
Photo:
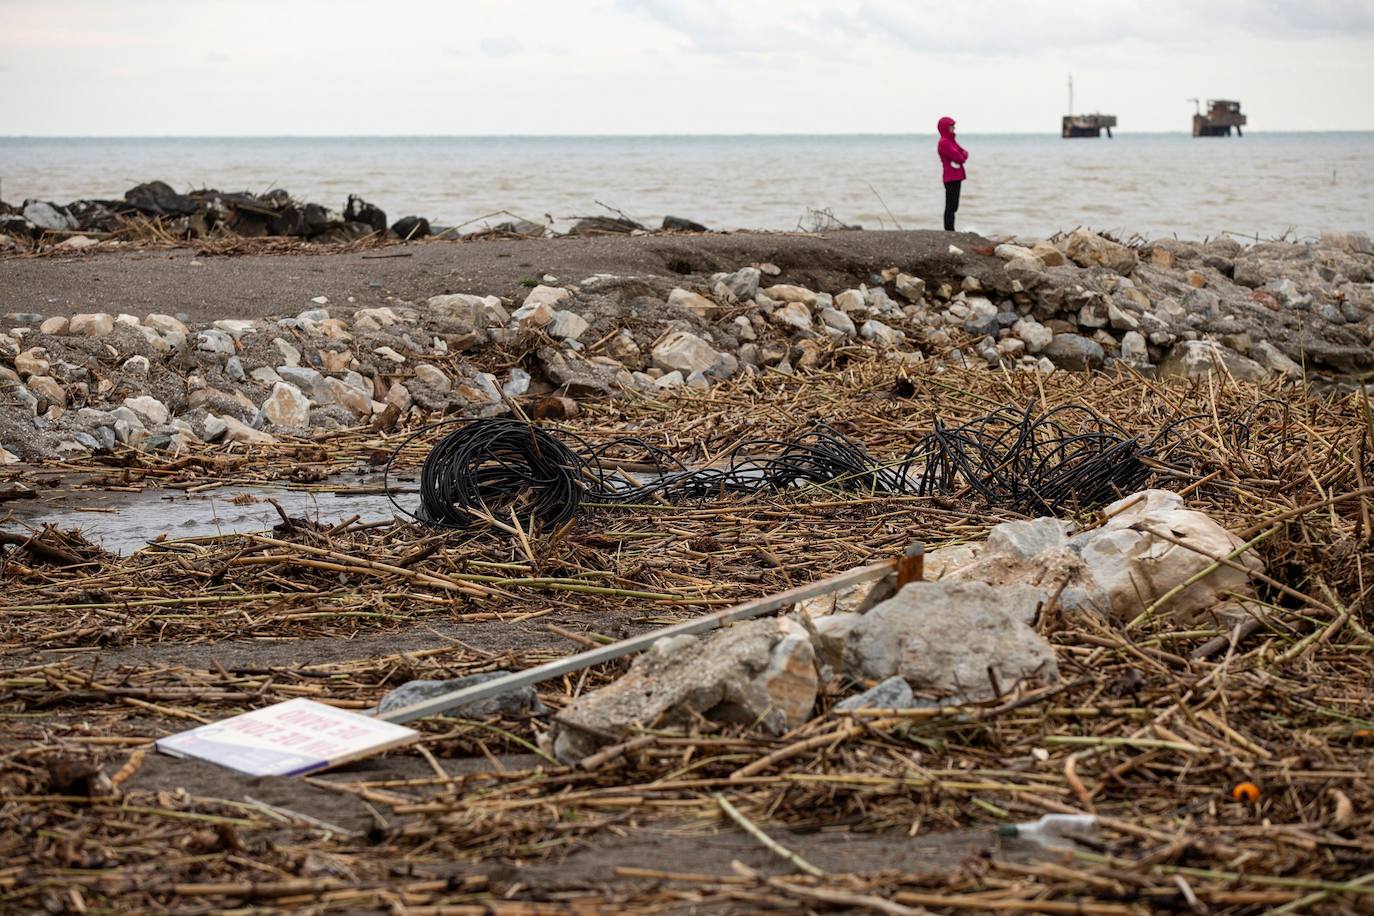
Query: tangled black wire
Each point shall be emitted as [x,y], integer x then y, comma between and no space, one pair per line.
[487,470]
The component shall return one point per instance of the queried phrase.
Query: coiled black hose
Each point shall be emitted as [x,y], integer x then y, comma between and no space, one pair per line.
[1068,458]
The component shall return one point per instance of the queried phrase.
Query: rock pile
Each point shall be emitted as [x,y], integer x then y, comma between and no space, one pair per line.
[90,381]
[973,634]
[207,212]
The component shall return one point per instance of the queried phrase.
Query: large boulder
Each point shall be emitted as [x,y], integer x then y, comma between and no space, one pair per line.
[44,215]
[678,224]
[1088,249]
[411,227]
[1151,545]
[760,673]
[358,210]
[156,198]
[953,641]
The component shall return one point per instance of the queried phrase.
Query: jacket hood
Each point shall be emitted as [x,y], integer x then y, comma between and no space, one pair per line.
[946,126]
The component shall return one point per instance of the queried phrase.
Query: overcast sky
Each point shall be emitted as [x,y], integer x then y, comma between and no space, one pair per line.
[103,67]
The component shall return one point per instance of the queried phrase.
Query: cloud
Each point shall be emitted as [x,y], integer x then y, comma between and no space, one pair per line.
[500,45]
[983,27]
[717,27]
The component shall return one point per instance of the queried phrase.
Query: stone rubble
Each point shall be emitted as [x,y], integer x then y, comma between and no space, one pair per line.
[968,633]
[1267,313]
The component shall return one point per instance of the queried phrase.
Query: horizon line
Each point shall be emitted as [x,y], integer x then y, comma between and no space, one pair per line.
[632,136]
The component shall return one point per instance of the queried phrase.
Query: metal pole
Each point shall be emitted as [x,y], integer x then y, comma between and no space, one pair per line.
[755,608]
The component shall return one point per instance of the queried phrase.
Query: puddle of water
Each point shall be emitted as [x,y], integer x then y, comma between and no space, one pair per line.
[125,522]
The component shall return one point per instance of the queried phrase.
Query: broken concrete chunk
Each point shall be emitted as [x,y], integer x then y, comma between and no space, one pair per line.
[760,673]
[956,641]
[1136,562]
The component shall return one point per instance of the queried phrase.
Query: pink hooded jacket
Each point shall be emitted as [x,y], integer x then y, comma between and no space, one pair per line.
[952,155]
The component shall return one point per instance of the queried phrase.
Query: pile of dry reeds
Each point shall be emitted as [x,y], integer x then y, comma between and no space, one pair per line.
[1152,727]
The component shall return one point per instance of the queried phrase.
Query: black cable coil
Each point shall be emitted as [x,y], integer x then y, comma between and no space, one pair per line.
[1068,458]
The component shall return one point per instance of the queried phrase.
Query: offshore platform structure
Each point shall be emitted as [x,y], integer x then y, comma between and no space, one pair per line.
[1085,125]
[1221,116]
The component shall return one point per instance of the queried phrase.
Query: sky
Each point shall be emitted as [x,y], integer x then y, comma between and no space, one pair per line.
[472,67]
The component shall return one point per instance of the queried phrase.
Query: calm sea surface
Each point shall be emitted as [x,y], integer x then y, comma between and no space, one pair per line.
[1264,184]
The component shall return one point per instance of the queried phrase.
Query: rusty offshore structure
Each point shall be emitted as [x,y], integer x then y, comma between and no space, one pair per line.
[1085,125]
[1088,125]
[1221,116]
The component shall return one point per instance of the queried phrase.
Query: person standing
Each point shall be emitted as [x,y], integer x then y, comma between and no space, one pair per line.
[952,157]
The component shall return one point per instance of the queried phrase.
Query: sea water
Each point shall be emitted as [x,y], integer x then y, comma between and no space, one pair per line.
[1261,185]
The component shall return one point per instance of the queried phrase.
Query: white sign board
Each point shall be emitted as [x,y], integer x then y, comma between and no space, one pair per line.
[288,739]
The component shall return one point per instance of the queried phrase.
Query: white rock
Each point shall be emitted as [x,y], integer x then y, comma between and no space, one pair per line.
[433,378]
[960,641]
[685,352]
[149,409]
[1035,334]
[851,300]
[912,289]
[1133,349]
[49,389]
[32,361]
[320,300]
[672,379]
[517,383]
[215,342]
[759,673]
[785,293]
[54,327]
[286,407]
[78,242]
[98,324]
[839,321]
[1087,249]
[389,354]
[694,302]
[1009,252]
[236,327]
[265,374]
[232,430]
[1136,567]
[793,315]
[1011,347]
[545,295]
[164,323]
[376,319]
[532,316]
[876,332]
[138,365]
[567,325]
[347,396]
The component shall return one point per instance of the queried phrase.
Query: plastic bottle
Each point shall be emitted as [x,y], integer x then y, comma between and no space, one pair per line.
[1054,831]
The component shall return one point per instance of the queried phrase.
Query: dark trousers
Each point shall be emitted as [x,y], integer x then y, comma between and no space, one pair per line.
[951,202]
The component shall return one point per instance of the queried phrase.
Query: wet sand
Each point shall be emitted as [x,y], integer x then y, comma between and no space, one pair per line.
[208,287]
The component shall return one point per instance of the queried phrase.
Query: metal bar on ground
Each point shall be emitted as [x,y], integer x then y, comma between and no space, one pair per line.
[756,608]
